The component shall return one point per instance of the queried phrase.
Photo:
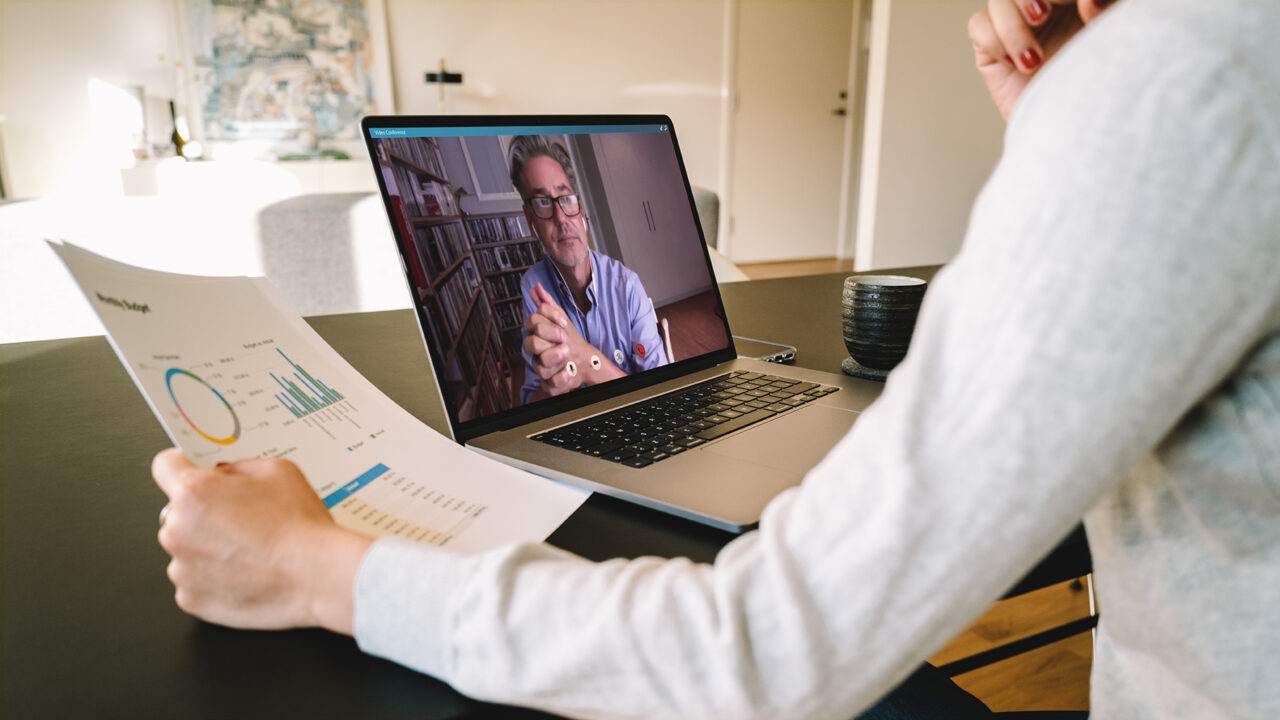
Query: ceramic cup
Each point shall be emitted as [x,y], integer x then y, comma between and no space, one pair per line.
[878,314]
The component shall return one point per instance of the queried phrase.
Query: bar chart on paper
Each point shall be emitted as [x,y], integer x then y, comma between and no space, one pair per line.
[309,400]
[300,393]
[296,394]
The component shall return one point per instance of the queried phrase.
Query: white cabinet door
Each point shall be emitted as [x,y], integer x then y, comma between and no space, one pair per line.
[652,221]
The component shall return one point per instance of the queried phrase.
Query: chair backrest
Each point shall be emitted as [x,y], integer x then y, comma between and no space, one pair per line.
[707,204]
[664,328]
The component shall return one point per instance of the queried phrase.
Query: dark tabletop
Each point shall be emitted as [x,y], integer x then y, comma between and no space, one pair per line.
[89,624]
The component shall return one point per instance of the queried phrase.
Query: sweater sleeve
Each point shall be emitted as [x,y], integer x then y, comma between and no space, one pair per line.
[1107,283]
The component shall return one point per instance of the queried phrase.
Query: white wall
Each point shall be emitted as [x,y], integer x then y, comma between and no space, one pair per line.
[931,139]
[570,56]
[932,134]
[49,51]
[526,56]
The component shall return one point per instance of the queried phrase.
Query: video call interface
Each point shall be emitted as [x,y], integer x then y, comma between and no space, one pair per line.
[475,249]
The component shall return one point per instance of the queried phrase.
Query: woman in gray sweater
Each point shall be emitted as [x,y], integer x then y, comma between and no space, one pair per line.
[1105,346]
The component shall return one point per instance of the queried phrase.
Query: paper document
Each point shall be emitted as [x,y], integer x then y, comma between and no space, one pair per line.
[232,372]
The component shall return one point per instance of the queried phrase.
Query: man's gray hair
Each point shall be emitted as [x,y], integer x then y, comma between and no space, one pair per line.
[524,148]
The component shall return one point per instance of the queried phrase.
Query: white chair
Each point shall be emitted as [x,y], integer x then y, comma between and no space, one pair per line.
[664,328]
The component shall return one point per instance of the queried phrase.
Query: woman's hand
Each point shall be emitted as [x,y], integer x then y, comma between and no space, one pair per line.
[253,546]
[1013,39]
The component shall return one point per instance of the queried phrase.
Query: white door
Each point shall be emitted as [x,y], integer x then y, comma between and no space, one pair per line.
[789,134]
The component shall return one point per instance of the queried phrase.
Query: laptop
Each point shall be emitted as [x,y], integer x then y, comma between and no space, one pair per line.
[658,409]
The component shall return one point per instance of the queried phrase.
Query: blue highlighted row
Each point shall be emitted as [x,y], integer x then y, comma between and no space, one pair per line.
[379,132]
[350,488]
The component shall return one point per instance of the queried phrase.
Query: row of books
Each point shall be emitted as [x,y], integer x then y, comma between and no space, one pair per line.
[501,287]
[509,257]
[419,151]
[456,296]
[477,344]
[441,245]
[513,340]
[509,315]
[489,399]
[499,228]
[423,198]
[441,340]
[487,394]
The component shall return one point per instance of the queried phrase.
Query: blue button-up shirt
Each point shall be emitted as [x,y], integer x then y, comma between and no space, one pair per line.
[620,322]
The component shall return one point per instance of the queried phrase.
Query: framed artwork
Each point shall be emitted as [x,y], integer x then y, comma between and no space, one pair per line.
[289,76]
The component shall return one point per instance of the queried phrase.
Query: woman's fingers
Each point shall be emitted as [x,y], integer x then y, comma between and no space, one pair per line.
[172,471]
[1014,26]
[987,49]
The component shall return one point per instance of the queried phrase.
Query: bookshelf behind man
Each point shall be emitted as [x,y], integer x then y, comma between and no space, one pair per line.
[466,268]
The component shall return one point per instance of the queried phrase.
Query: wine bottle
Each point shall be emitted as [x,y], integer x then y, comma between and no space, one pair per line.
[176,137]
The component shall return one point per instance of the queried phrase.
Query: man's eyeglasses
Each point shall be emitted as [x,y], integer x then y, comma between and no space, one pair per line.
[545,207]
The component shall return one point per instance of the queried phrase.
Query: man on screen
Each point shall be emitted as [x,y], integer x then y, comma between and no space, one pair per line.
[588,319]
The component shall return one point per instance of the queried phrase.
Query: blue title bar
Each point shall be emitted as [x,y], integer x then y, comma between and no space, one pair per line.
[349,489]
[386,132]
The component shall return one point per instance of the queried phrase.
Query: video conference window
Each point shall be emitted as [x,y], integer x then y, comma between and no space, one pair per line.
[505,233]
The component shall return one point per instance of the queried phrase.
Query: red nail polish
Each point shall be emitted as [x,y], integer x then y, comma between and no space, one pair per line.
[1030,58]
[222,464]
[1037,10]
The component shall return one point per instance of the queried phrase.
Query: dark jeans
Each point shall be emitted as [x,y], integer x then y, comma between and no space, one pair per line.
[929,695]
[925,695]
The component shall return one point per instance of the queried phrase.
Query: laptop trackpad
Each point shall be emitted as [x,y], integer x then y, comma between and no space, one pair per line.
[794,442]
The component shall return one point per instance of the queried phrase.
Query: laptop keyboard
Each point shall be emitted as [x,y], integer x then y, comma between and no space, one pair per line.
[667,425]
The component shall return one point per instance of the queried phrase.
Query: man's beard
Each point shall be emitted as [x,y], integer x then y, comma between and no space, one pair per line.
[559,257]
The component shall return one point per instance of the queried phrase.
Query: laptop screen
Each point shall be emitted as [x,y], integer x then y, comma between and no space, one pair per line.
[546,256]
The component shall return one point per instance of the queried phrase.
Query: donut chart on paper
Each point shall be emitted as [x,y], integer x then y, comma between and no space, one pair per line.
[204,401]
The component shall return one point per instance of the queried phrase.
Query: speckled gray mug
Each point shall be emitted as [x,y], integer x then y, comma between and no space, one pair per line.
[878,315]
